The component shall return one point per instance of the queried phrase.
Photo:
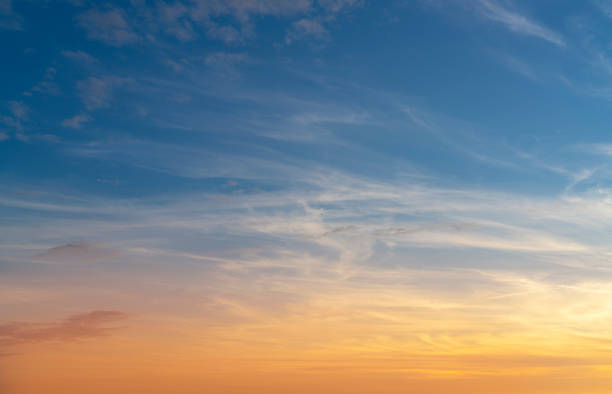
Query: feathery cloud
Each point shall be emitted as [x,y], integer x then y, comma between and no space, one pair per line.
[517,22]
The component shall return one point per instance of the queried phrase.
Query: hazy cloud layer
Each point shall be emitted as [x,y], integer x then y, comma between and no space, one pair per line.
[82,326]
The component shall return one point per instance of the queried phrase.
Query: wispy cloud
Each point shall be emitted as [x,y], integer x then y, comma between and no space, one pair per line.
[317,214]
[224,59]
[339,5]
[76,252]
[19,110]
[377,258]
[317,26]
[76,122]
[108,25]
[517,22]
[307,28]
[9,19]
[605,6]
[47,85]
[19,114]
[243,10]
[230,21]
[97,92]
[227,34]
[82,326]
[79,56]
[517,65]
[174,19]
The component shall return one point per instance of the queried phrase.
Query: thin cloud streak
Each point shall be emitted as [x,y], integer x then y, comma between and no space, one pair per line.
[516,22]
[82,326]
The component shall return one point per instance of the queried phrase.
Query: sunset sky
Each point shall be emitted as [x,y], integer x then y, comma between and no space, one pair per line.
[306,196]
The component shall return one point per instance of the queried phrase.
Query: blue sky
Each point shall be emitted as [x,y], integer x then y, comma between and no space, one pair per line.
[280,144]
[141,99]
[153,102]
[502,95]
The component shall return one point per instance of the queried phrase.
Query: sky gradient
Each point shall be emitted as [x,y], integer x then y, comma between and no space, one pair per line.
[268,196]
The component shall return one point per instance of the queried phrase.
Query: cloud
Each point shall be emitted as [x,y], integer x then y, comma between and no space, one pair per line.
[76,252]
[517,65]
[307,28]
[313,118]
[82,326]
[231,21]
[316,26]
[601,149]
[335,6]
[109,26]
[383,255]
[174,18]
[605,6]
[516,22]
[339,229]
[76,122]
[19,114]
[97,92]
[79,56]
[19,110]
[47,85]
[227,34]
[224,59]
[174,65]
[243,10]
[9,19]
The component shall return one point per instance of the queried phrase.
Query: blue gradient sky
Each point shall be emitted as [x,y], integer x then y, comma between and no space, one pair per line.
[141,100]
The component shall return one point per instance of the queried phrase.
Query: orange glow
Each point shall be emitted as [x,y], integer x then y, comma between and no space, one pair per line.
[344,339]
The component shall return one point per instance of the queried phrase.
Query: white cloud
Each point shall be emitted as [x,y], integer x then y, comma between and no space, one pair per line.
[348,242]
[517,22]
[597,149]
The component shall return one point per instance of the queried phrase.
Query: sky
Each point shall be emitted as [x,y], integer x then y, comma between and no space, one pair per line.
[270,196]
